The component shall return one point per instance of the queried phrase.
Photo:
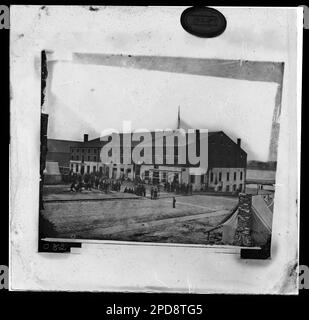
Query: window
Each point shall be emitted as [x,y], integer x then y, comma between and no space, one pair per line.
[227,176]
[211,177]
[202,178]
[146,174]
[129,170]
[95,150]
[77,157]
[94,158]
[227,188]
[220,176]
[101,169]
[72,157]
[88,150]
[94,169]
[88,169]
[240,187]
[72,166]
[192,178]
[235,175]
[83,150]
[76,167]
[164,177]
[234,187]
[240,175]
[89,158]
[83,158]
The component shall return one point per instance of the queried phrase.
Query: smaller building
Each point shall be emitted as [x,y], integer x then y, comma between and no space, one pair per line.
[85,157]
[60,151]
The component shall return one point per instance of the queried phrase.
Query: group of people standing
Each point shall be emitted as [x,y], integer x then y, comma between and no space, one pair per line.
[155,192]
[184,188]
[91,181]
[138,189]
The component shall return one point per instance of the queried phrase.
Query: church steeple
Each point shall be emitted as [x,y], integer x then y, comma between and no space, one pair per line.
[178,119]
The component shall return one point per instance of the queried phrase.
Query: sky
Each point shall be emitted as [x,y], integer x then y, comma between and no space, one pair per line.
[85,98]
[88,98]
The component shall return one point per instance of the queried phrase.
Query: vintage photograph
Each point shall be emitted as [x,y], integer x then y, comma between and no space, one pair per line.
[148,156]
[159,149]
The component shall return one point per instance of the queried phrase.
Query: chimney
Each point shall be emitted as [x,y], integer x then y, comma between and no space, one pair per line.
[85,137]
[239,142]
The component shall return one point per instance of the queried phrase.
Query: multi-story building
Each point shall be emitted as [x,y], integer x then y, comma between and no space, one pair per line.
[59,151]
[85,156]
[226,164]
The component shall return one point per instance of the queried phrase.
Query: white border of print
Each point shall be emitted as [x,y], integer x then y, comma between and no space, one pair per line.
[140,268]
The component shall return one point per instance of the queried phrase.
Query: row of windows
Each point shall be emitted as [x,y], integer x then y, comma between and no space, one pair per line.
[89,158]
[234,188]
[227,176]
[228,189]
[163,178]
[220,177]
[84,150]
[81,169]
[192,179]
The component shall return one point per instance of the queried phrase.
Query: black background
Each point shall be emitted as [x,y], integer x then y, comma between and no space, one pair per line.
[93,304]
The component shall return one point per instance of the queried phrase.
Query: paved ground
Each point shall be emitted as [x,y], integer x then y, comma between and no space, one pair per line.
[90,216]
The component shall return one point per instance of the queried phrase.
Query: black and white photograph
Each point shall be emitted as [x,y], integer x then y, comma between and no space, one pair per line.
[202,171]
[157,156]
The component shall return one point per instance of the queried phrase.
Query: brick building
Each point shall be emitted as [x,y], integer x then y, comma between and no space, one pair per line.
[226,164]
[59,151]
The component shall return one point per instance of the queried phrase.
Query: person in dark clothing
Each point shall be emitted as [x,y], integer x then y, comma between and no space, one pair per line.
[155,193]
[97,182]
[174,202]
[73,187]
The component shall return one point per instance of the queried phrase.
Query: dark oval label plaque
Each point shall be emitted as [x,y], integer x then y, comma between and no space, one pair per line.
[203,22]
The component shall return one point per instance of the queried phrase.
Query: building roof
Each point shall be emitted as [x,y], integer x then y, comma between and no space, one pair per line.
[262,212]
[57,145]
[222,150]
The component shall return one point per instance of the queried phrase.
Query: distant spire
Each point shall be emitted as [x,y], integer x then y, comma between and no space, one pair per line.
[178,120]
